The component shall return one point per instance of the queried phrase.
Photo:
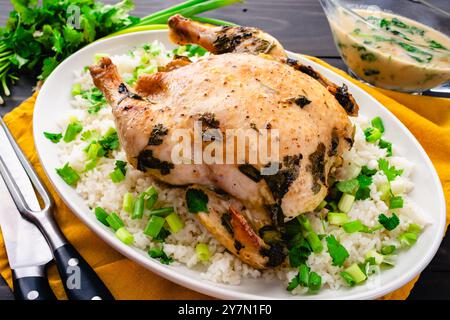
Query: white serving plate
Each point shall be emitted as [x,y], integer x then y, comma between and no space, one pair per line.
[53,101]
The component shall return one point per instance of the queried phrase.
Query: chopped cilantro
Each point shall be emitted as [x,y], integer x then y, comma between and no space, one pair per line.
[196,200]
[158,253]
[110,141]
[305,278]
[299,251]
[368,172]
[53,137]
[390,172]
[389,223]
[383,144]
[336,250]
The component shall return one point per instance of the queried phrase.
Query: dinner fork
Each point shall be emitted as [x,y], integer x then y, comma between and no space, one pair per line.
[79,280]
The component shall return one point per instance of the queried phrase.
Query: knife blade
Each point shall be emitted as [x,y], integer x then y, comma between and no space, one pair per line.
[27,250]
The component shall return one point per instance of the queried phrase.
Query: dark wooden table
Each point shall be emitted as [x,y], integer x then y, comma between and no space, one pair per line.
[301,26]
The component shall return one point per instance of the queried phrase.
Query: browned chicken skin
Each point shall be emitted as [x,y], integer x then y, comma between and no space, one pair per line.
[229,91]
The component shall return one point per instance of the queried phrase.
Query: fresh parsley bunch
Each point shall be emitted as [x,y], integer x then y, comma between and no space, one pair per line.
[37,38]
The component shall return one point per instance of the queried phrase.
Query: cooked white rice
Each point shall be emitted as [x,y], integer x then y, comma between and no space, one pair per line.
[97,189]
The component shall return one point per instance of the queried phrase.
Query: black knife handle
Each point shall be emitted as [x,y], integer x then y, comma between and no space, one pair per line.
[33,287]
[79,280]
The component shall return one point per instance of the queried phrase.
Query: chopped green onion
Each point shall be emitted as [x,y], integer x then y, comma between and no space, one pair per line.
[117,175]
[175,223]
[124,235]
[162,211]
[314,242]
[407,239]
[386,250]
[385,190]
[321,205]
[378,258]
[337,218]
[311,237]
[154,226]
[114,221]
[414,228]
[119,172]
[76,89]
[356,273]
[128,202]
[91,164]
[349,186]
[94,150]
[348,278]
[378,123]
[53,137]
[346,202]
[101,215]
[354,226]
[151,196]
[202,251]
[68,174]
[372,134]
[395,202]
[138,210]
[73,129]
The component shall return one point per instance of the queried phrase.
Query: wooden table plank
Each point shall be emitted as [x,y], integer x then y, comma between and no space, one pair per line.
[301,26]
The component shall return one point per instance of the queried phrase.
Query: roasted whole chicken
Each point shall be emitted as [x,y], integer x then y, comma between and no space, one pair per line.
[247,82]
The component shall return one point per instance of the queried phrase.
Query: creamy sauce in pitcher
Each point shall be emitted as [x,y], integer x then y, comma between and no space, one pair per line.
[405,55]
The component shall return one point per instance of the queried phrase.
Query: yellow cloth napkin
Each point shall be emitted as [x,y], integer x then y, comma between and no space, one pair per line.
[427,118]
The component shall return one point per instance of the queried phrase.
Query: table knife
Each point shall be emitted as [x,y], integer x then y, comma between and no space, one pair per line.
[27,250]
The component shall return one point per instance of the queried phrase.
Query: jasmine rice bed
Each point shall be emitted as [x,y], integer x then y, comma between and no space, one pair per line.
[354,246]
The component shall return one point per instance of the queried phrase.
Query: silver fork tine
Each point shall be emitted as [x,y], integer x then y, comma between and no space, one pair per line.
[13,188]
[66,256]
[36,181]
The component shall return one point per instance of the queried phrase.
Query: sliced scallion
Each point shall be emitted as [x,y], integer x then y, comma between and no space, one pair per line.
[337,218]
[101,215]
[175,223]
[154,226]
[161,211]
[378,123]
[346,202]
[73,129]
[128,202]
[354,226]
[356,273]
[138,210]
[202,251]
[124,235]
[114,221]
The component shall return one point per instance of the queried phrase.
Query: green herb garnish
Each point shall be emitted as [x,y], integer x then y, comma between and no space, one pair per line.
[53,137]
[336,250]
[389,223]
[196,201]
